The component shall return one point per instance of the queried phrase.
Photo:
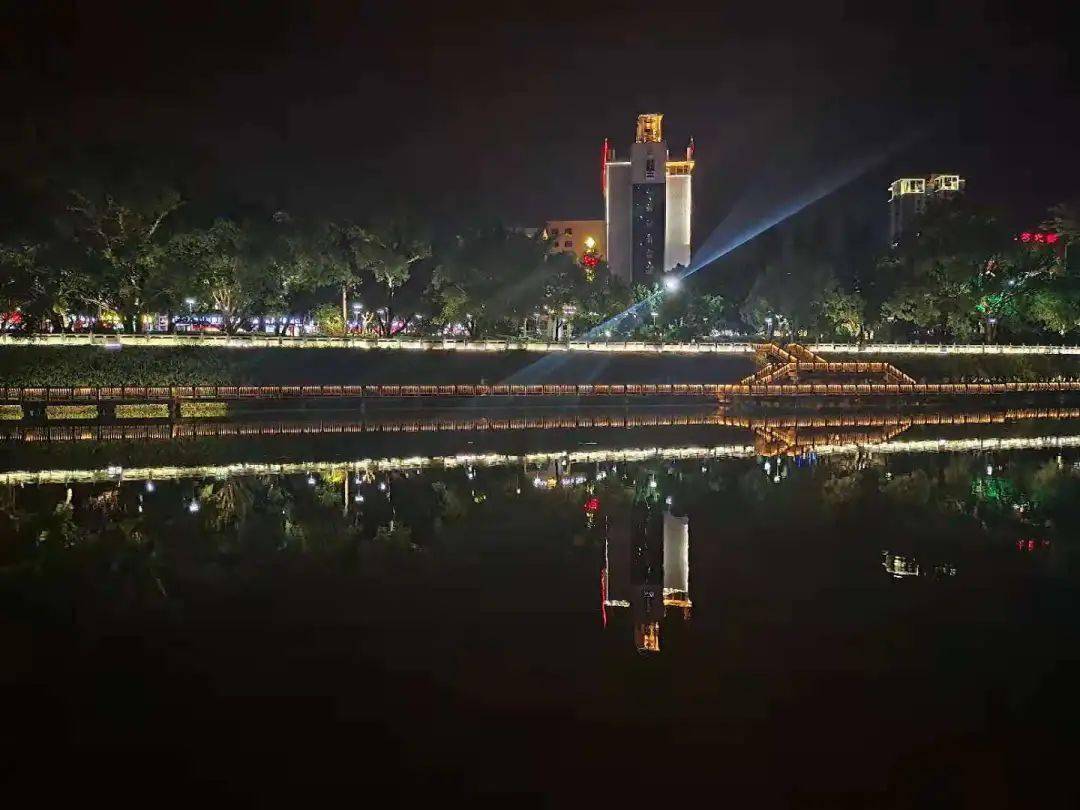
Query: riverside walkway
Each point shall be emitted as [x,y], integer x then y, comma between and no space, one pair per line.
[512,345]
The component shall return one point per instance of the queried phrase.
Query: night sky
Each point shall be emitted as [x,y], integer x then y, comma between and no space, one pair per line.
[463,111]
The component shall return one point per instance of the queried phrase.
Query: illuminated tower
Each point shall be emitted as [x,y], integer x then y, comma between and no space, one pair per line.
[647,205]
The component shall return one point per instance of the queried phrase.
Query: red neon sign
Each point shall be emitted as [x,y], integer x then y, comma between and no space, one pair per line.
[1038,238]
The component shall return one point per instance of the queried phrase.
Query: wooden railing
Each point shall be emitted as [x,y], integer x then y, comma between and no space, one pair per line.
[130,393]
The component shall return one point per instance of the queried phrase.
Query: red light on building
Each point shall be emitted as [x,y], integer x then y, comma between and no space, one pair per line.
[592,505]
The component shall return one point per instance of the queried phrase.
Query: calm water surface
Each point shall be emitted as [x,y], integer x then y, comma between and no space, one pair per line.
[562,613]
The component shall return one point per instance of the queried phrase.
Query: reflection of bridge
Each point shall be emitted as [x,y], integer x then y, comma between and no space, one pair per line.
[526,460]
[779,434]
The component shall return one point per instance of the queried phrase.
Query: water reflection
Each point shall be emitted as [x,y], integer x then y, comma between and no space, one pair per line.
[147,532]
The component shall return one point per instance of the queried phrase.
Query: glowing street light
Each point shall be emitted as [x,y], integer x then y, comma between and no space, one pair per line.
[672,283]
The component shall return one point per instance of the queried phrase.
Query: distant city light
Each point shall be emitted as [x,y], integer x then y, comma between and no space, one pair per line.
[150,487]
[193,506]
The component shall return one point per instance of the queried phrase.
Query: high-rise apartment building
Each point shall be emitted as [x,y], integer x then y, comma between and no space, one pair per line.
[908,198]
[647,205]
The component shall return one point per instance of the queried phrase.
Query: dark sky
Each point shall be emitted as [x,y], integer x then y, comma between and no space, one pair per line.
[464,110]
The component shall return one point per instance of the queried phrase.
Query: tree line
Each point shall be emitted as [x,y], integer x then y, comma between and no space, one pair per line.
[120,259]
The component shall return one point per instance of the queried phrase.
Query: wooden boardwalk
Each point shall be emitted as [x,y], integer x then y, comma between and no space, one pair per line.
[231,393]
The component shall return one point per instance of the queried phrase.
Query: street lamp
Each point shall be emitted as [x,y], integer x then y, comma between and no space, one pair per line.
[671,283]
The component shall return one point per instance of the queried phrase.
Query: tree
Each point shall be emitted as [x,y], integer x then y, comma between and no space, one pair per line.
[844,311]
[125,249]
[1065,220]
[949,264]
[389,252]
[1054,305]
[493,278]
[377,261]
[22,283]
[784,297]
[230,270]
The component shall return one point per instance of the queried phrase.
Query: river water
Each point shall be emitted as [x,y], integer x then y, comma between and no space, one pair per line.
[547,607]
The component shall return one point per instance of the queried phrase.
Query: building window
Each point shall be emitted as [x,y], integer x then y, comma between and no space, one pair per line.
[554,231]
[568,243]
[568,231]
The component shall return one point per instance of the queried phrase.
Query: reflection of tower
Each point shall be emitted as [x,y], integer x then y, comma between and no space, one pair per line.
[647,569]
[677,562]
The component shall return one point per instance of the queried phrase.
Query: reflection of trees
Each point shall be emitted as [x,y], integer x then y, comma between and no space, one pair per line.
[232,500]
[142,546]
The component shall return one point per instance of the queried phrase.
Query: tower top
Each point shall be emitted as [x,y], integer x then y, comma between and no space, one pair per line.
[650,128]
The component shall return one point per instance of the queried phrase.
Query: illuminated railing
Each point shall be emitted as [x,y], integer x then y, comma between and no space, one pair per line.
[129,393]
[633,455]
[438,423]
[536,346]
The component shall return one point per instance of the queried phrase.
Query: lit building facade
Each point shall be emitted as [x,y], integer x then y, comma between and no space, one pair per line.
[577,236]
[648,203]
[908,198]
